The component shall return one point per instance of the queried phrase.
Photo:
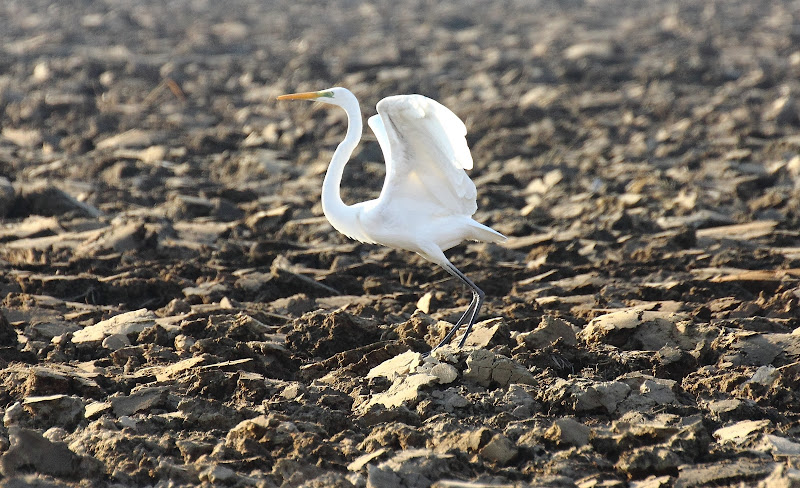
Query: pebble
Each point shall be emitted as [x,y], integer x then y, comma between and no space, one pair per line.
[116,341]
[485,367]
[549,330]
[583,395]
[142,399]
[649,460]
[397,366]
[410,468]
[125,323]
[499,450]
[405,390]
[487,334]
[445,373]
[567,431]
[55,410]
[741,431]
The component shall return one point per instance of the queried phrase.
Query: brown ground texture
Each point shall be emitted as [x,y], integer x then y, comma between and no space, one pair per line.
[176,310]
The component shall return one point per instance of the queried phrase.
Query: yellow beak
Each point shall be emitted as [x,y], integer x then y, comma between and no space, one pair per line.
[301,96]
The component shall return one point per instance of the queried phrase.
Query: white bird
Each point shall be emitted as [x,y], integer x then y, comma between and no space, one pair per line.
[427,201]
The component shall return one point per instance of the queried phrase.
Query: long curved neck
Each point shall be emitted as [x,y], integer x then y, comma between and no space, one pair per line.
[341,215]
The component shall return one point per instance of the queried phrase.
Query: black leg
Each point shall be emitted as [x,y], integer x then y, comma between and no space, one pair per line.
[471,314]
[455,328]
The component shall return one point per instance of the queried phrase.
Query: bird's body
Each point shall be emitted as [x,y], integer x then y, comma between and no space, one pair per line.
[427,201]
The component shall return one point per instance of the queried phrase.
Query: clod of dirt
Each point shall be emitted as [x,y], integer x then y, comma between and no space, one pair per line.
[29,450]
[126,323]
[41,198]
[549,330]
[640,330]
[568,432]
[325,335]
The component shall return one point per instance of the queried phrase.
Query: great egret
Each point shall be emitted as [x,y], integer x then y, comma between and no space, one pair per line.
[427,201]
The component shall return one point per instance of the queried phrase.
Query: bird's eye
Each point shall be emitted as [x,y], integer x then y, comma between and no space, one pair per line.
[328,94]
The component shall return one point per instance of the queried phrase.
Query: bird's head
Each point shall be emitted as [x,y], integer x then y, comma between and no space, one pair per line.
[335,96]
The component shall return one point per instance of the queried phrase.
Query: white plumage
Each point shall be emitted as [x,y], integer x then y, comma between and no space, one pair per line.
[427,201]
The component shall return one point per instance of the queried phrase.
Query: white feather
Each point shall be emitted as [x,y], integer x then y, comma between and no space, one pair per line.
[426,154]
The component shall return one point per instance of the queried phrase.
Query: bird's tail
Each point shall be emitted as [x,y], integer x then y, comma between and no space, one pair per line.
[486,234]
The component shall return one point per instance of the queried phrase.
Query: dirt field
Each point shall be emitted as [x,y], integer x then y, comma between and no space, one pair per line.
[176,310]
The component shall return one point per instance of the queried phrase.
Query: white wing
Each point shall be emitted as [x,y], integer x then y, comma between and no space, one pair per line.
[426,155]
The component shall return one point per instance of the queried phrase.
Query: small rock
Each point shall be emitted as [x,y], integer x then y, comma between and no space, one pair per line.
[446,373]
[765,375]
[186,207]
[636,329]
[653,481]
[724,407]
[23,137]
[410,468]
[208,292]
[134,138]
[153,154]
[380,478]
[404,390]
[550,330]
[55,410]
[125,323]
[218,474]
[485,367]
[143,399]
[55,434]
[119,237]
[13,414]
[452,399]
[116,341]
[568,432]
[779,446]
[723,473]
[585,395]
[520,399]
[293,391]
[784,110]
[488,333]
[424,302]
[95,409]
[184,343]
[649,460]
[400,365]
[364,459]
[170,371]
[243,437]
[176,306]
[597,50]
[647,391]
[499,450]
[740,431]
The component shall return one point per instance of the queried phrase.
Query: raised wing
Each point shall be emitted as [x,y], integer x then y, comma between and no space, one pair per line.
[426,154]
